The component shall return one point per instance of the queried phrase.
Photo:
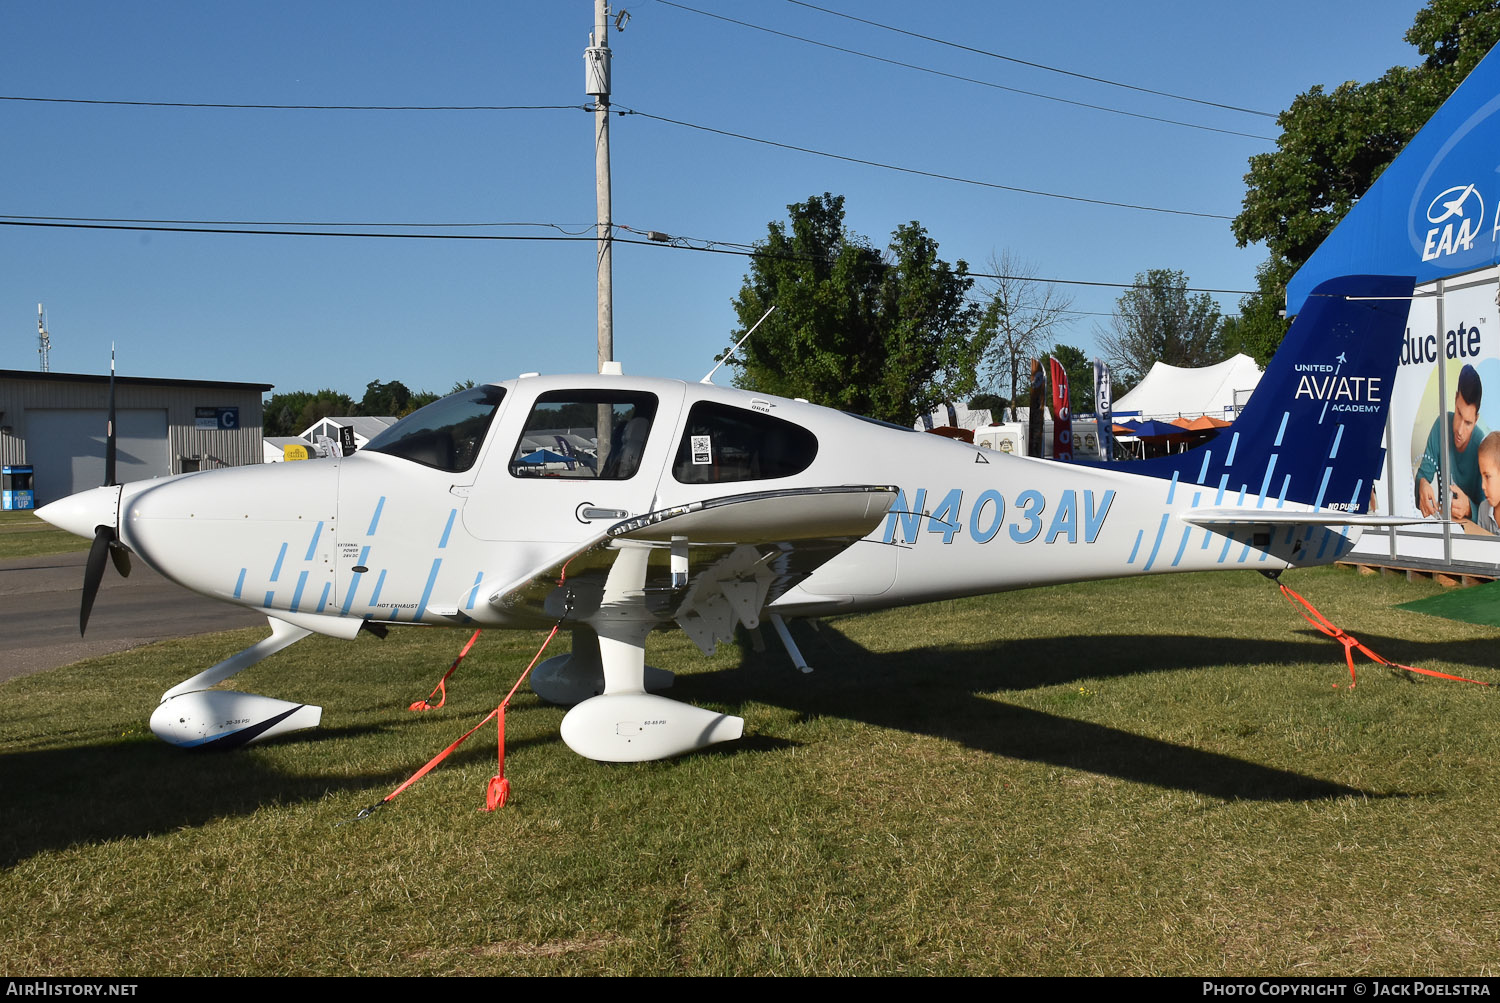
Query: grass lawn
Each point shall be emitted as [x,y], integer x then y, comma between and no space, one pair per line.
[22,534]
[1152,776]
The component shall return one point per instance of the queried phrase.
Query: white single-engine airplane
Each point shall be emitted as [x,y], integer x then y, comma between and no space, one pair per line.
[706,507]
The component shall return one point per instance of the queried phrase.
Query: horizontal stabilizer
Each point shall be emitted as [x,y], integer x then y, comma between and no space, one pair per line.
[1285,538]
[1210,518]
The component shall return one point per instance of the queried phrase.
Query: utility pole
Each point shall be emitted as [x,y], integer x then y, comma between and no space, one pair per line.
[596,68]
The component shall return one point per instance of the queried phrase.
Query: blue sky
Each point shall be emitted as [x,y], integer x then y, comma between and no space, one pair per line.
[304,312]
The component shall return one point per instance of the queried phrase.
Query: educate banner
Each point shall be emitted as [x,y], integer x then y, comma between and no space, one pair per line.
[1428,407]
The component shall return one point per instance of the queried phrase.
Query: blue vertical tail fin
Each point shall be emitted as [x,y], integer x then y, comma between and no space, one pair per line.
[1312,430]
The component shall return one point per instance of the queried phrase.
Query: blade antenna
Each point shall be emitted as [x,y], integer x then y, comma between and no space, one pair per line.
[730,354]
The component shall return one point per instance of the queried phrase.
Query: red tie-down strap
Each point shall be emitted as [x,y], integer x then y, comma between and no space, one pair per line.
[1321,622]
[442,687]
[499,788]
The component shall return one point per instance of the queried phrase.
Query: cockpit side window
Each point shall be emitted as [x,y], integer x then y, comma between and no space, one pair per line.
[722,443]
[585,434]
[445,434]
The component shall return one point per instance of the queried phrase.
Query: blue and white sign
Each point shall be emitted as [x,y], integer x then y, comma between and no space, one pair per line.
[1432,213]
[216,418]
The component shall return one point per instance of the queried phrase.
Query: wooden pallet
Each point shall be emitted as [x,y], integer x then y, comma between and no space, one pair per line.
[1448,577]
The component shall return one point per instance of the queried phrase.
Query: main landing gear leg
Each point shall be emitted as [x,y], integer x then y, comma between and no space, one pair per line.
[570,679]
[626,724]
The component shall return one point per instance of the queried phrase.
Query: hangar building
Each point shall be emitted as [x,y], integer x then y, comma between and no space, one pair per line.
[55,423]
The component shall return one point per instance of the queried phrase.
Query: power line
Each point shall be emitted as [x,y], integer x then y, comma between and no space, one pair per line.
[562,228]
[1107,285]
[620,109]
[674,243]
[971,80]
[1026,62]
[210,227]
[300,107]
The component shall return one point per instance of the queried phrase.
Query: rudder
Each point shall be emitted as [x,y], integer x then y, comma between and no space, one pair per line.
[1312,430]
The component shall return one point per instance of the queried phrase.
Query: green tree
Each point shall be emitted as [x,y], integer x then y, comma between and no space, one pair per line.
[994,403]
[381,399]
[1157,321]
[1080,369]
[887,335]
[419,399]
[280,413]
[1334,144]
[324,404]
[1018,317]
[292,412]
[1260,326]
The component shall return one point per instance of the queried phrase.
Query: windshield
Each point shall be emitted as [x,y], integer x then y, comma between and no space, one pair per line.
[445,434]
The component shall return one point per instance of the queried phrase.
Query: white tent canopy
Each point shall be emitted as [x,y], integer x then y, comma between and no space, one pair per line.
[954,416]
[1171,392]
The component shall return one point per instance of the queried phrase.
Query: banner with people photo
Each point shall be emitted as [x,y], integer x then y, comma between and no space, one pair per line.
[1447,396]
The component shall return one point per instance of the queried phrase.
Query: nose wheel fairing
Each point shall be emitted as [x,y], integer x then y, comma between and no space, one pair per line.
[224,719]
[193,715]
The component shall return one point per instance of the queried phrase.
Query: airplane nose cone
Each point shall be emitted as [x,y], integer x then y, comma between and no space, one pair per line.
[237,532]
[82,513]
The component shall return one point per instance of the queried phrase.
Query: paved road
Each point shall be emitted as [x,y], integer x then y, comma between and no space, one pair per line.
[39,598]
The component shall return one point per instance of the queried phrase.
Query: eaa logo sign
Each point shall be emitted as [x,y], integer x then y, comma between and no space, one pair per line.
[1456,216]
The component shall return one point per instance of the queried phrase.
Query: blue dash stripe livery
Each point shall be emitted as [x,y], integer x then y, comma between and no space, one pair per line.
[1338,362]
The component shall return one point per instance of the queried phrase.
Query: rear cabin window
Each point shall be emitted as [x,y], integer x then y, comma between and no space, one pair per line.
[722,443]
[585,434]
[445,434]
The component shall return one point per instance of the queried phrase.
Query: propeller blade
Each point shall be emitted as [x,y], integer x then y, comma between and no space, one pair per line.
[109,432]
[120,555]
[93,573]
[105,540]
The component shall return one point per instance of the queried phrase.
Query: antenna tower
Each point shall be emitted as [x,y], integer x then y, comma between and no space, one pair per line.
[43,339]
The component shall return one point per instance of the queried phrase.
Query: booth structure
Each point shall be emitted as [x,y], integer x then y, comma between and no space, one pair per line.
[16,491]
[1435,214]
